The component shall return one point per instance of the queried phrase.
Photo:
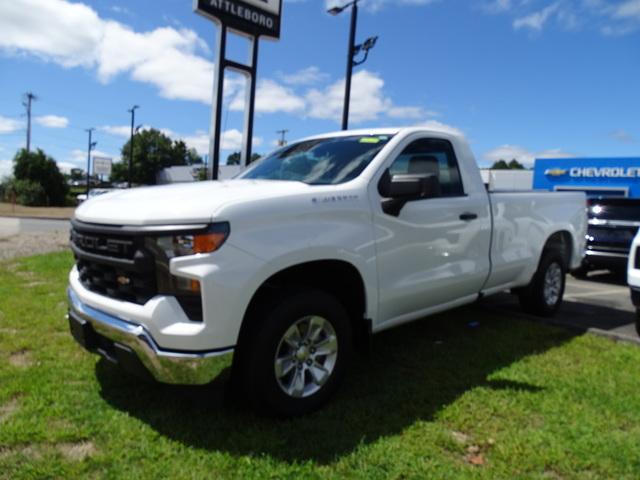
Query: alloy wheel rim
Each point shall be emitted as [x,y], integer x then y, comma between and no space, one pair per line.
[552,284]
[306,356]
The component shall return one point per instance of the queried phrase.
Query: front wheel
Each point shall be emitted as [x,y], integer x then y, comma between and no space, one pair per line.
[638,320]
[298,352]
[543,295]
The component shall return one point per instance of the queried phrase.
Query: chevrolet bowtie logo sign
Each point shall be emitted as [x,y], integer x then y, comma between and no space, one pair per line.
[122,280]
[555,172]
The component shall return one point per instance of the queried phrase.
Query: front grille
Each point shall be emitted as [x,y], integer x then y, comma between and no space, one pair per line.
[610,238]
[117,266]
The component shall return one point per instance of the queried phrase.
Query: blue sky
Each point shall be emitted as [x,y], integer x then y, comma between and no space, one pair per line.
[521,78]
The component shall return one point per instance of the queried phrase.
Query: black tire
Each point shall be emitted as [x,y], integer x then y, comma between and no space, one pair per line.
[533,298]
[259,382]
[638,321]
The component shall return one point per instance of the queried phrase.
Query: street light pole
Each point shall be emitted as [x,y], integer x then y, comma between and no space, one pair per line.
[132,111]
[90,147]
[347,84]
[352,51]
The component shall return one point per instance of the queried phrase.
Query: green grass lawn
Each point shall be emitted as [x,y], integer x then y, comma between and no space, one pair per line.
[508,399]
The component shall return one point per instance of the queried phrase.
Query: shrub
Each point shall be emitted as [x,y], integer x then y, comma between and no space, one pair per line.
[25,192]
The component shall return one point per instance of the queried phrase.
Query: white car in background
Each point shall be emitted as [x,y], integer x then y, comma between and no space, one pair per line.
[633,277]
[93,193]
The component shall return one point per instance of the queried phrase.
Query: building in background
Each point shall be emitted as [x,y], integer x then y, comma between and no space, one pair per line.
[190,173]
[507,179]
[598,177]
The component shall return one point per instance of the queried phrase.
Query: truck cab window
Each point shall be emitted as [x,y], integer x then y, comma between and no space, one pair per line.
[430,155]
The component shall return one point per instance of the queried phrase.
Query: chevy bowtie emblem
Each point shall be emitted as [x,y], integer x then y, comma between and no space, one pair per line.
[122,280]
[555,172]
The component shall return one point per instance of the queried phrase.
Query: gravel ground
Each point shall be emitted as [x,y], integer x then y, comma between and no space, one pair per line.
[32,244]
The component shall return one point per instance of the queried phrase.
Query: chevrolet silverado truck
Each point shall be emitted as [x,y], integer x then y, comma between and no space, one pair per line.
[293,264]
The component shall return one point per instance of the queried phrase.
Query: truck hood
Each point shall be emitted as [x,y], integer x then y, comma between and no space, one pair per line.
[180,203]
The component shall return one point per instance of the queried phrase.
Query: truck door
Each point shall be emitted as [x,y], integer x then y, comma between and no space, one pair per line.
[436,250]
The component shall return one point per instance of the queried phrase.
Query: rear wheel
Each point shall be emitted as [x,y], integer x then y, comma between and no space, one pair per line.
[543,295]
[638,321]
[297,353]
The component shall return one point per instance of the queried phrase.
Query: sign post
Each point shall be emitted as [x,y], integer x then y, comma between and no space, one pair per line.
[102,166]
[252,19]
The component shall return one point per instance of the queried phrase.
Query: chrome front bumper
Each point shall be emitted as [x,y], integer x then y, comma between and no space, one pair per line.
[131,346]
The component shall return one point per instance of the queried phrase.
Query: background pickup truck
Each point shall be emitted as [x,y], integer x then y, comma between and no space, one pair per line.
[301,258]
[613,222]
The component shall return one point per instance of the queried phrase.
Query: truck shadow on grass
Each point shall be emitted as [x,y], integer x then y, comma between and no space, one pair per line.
[413,373]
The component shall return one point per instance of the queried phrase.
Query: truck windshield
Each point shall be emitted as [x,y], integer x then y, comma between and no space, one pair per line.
[325,161]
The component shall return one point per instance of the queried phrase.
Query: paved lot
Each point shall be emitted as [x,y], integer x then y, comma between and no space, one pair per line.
[25,236]
[17,226]
[600,303]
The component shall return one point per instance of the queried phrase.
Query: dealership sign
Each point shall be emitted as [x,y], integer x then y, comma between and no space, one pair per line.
[102,166]
[254,17]
[595,172]
[596,176]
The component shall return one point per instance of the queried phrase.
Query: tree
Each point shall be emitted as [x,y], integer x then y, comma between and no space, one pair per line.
[234,158]
[503,165]
[515,165]
[500,165]
[40,169]
[152,151]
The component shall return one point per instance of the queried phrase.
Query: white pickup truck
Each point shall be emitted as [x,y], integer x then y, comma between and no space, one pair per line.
[297,261]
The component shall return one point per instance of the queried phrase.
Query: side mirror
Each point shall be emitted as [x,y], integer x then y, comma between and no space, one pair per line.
[409,187]
[400,189]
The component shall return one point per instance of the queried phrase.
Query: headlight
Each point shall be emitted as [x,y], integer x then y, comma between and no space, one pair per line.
[182,244]
[179,243]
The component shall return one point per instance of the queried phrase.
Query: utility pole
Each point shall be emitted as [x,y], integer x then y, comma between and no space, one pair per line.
[90,147]
[282,142]
[29,98]
[132,111]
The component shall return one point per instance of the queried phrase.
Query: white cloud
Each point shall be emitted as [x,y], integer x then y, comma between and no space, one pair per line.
[271,97]
[229,140]
[6,168]
[9,125]
[627,10]
[622,136]
[120,10]
[498,6]
[440,127]
[306,76]
[619,17]
[54,30]
[368,101]
[66,167]
[375,5]
[117,131]
[407,112]
[52,121]
[536,20]
[73,35]
[522,155]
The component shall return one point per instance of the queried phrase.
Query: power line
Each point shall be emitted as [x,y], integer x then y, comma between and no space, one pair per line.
[283,141]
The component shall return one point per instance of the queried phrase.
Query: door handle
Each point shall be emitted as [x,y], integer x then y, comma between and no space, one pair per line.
[468,216]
